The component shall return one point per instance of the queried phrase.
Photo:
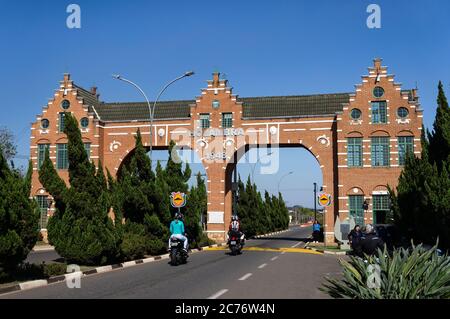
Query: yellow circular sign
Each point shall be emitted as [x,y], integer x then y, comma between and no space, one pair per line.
[324,199]
[178,199]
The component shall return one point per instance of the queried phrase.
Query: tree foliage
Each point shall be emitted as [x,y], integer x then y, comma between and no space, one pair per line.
[80,229]
[7,145]
[19,217]
[258,215]
[421,203]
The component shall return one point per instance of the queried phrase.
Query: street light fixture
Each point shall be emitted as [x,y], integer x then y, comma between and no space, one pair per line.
[291,172]
[150,109]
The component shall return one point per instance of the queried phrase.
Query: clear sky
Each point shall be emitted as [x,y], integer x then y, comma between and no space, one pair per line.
[264,48]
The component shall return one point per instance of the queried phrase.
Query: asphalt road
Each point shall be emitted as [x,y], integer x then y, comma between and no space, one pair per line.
[47,256]
[211,274]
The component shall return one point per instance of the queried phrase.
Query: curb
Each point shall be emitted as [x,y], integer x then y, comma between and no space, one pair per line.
[270,234]
[43,248]
[44,282]
[327,252]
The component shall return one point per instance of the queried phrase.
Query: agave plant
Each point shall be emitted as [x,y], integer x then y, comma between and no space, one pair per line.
[415,273]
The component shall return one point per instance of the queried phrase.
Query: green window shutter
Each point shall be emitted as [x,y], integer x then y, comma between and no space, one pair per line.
[356,208]
[381,202]
[354,152]
[62,159]
[204,121]
[405,146]
[379,112]
[62,122]
[41,153]
[87,148]
[43,207]
[380,151]
[227,120]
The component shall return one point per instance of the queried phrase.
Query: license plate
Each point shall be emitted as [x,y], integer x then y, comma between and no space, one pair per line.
[233,242]
[174,245]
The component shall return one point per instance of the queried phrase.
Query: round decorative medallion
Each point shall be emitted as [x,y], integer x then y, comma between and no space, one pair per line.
[273,130]
[215,104]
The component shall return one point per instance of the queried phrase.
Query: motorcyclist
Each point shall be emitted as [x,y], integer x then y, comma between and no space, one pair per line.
[177,231]
[235,226]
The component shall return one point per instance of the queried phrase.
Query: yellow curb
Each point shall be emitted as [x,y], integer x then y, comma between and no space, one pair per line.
[288,250]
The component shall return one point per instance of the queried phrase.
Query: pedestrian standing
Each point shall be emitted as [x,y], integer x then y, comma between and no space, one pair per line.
[354,239]
[316,231]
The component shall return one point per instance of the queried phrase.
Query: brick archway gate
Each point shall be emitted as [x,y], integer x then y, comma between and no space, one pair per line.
[217,146]
[217,125]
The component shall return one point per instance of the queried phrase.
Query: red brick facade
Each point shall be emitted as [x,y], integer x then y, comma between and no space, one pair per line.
[324,136]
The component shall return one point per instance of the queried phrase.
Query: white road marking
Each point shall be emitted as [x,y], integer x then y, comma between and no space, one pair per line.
[299,243]
[262,266]
[245,276]
[218,294]
[283,252]
[274,258]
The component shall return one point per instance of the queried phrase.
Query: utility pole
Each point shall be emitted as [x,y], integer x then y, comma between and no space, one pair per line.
[315,201]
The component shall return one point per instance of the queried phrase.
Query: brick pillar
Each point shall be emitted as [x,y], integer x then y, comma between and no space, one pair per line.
[219,201]
[330,211]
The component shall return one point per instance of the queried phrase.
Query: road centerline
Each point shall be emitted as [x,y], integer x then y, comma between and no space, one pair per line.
[262,266]
[245,276]
[274,258]
[218,294]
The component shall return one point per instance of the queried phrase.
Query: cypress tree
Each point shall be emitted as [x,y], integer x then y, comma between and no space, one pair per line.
[19,217]
[196,207]
[422,203]
[80,229]
[440,137]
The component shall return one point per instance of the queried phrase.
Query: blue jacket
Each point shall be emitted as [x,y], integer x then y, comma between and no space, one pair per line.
[177,227]
[316,227]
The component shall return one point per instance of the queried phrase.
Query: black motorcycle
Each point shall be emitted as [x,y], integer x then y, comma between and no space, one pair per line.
[234,243]
[177,254]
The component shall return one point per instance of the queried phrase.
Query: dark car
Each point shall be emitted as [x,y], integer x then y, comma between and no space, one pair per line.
[389,234]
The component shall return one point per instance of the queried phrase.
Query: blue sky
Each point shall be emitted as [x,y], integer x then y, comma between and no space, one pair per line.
[264,48]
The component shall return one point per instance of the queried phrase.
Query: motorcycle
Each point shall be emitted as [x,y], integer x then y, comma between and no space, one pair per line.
[235,243]
[177,254]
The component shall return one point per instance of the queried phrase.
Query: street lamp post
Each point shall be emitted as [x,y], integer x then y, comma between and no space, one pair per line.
[150,109]
[279,182]
[254,166]
[315,202]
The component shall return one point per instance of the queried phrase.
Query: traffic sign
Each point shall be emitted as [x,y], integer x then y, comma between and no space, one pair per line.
[324,199]
[178,199]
